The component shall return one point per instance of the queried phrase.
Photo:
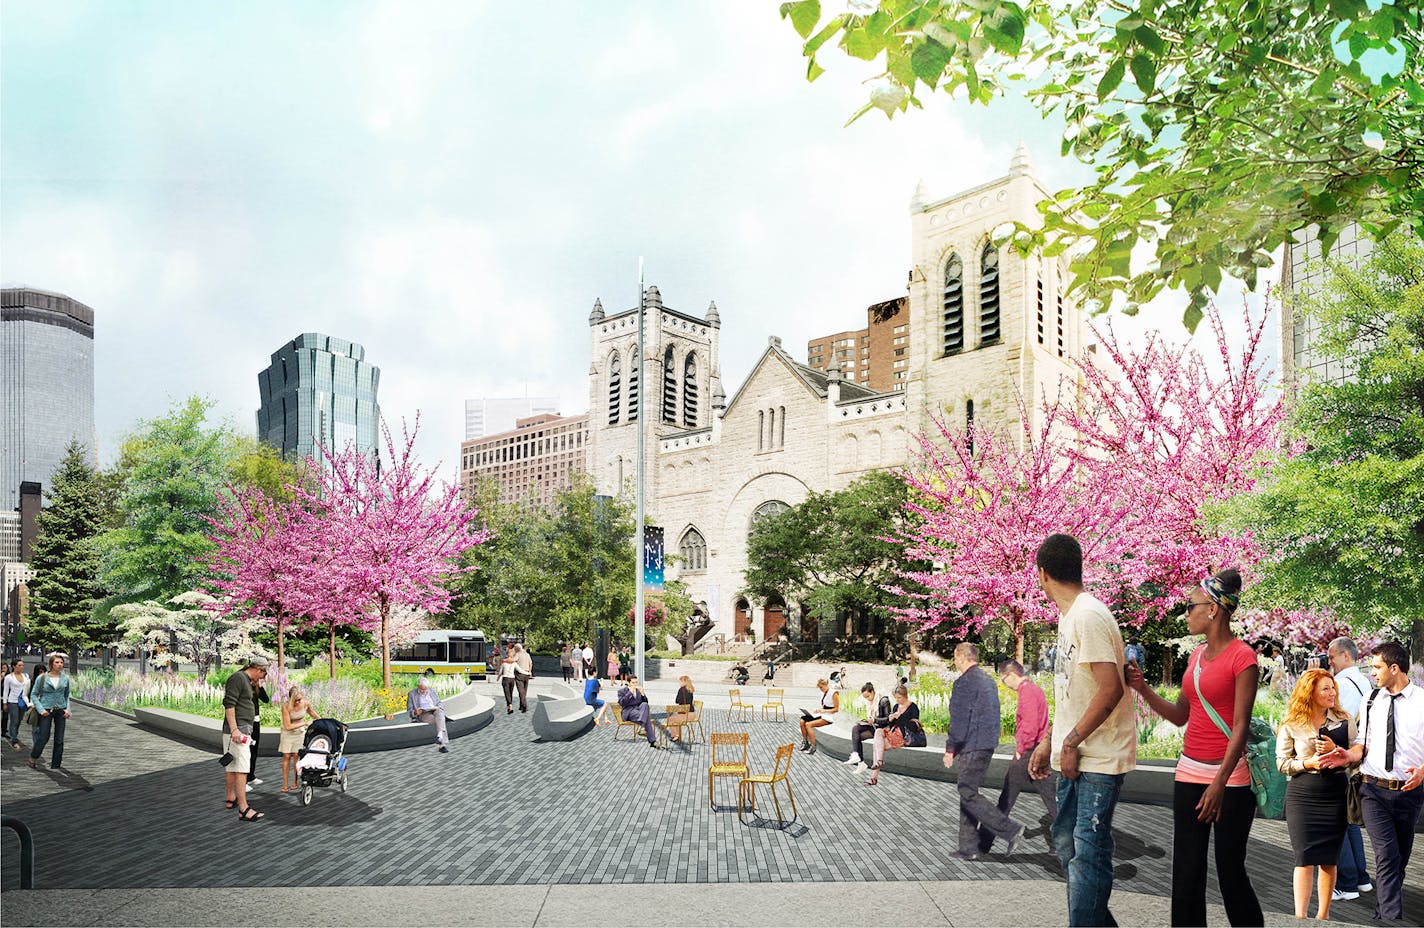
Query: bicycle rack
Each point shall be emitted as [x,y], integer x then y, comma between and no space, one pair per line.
[27,850]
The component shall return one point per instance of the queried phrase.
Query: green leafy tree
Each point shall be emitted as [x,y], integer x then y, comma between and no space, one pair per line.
[66,561]
[552,575]
[1344,519]
[259,465]
[1216,128]
[835,553]
[179,466]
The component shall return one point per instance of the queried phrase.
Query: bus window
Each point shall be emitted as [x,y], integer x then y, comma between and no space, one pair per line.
[430,651]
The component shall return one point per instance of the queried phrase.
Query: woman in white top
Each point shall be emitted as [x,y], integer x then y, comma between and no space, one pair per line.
[17,684]
[296,709]
[830,705]
[506,678]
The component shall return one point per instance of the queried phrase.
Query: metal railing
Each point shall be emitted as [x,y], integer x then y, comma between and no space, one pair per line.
[27,850]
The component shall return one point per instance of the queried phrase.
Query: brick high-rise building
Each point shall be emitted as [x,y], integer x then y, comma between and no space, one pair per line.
[876,356]
[531,462]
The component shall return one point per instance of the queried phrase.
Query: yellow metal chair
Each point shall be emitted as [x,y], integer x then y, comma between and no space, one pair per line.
[746,789]
[729,759]
[695,721]
[739,707]
[775,705]
[622,722]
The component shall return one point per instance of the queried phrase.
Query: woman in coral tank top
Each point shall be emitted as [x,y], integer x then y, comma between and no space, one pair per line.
[1213,788]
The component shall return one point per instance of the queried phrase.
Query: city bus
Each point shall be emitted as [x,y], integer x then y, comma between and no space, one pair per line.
[442,651]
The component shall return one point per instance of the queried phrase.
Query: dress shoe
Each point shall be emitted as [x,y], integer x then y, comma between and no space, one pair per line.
[1015,840]
[965,855]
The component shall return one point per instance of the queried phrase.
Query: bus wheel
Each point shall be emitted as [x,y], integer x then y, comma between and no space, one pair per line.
[430,671]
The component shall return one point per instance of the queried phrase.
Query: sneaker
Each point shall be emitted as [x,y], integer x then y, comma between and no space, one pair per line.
[862,767]
[1340,895]
[256,782]
[1016,840]
[851,761]
[1366,887]
[249,787]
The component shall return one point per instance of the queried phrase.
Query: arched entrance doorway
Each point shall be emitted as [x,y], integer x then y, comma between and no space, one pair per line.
[775,617]
[742,621]
[810,628]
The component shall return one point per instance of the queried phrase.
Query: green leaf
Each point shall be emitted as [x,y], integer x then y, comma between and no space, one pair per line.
[1144,72]
[1111,79]
[1150,40]
[1192,317]
[804,15]
[859,43]
[929,59]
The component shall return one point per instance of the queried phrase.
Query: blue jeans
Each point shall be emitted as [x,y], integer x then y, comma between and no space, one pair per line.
[1352,868]
[55,720]
[13,715]
[1082,836]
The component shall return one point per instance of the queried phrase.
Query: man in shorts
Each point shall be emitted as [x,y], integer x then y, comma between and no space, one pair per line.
[239,709]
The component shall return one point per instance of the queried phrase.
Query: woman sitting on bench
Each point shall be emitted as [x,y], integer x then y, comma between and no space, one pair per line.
[902,729]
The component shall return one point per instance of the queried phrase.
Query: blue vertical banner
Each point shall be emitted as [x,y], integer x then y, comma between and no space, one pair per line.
[653,558]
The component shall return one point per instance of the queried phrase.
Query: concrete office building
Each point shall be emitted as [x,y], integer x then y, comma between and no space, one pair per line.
[46,386]
[532,462]
[1303,273]
[319,392]
[492,415]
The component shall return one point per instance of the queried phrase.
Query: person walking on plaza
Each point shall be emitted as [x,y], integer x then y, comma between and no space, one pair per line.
[810,721]
[1389,747]
[566,664]
[1030,727]
[974,727]
[634,703]
[588,669]
[523,673]
[1352,877]
[296,709]
[17,696]
[1315,798]
[1212,793]
[1092,741]
[49,694]
[239,708]
[423,705]
[877,714]
[902,728]
[506,679]
[259,693]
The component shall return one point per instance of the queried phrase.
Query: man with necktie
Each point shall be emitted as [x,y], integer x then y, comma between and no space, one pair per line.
[1389,746]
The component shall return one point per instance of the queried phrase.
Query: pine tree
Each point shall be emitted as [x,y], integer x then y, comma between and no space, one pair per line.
[66,560]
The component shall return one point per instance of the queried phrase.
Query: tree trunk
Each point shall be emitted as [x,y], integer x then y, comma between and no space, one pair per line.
[1417,641]
[331,661]
[914,654]
[1167,667]
[281,647]
[385,640]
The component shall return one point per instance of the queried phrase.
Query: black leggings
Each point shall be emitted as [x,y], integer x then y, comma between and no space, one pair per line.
[1189,843]
[859,734]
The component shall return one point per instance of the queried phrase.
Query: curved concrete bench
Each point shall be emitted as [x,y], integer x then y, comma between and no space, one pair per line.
[561,719]
[1151,782]
[464,714]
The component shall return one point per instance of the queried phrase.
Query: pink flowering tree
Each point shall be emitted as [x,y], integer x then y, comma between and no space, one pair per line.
[398,534]
[1313,628]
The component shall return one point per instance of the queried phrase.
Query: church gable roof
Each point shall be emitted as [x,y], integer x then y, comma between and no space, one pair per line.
[816,381]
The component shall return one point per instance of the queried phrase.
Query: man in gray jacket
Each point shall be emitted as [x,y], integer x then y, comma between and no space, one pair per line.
[973,735]
[424,705]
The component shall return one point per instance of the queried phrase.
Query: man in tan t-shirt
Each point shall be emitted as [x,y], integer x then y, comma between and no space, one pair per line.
[1093,741]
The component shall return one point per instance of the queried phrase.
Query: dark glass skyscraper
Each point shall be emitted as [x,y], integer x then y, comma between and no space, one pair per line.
[46,386]
[319,392]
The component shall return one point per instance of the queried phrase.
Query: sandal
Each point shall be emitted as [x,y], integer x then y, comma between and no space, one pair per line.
[30,761]
[249,814]
[286,789]
[229,803]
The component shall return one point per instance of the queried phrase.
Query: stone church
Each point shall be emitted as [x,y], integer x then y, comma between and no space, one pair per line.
[985,327]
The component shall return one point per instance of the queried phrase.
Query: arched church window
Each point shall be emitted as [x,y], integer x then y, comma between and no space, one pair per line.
[633,366]
[989,296]
[772,507]
[693,548]
[615,388]
[689,391]
[669,387]
[953,305]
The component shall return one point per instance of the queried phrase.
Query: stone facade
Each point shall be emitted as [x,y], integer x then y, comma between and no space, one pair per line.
[791,430]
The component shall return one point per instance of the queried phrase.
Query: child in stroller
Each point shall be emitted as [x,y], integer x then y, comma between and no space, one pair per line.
[321,762]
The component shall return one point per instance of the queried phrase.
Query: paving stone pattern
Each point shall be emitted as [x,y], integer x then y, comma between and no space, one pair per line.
[134,809]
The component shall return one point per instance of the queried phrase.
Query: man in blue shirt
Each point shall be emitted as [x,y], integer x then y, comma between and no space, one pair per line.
[973,735]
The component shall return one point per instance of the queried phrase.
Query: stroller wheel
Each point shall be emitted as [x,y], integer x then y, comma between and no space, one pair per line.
[342,782]
[306,795]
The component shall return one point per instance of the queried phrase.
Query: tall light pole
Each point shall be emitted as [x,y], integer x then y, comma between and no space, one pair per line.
[638,541]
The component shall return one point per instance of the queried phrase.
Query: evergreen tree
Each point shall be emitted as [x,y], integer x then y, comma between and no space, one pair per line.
[66,560]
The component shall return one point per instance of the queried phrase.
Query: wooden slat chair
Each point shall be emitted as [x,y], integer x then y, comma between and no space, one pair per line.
[729,759]
[746,789]
[622,722]
[775,705]
[739,707]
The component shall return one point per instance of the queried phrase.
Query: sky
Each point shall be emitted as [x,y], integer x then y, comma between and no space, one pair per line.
[452,185]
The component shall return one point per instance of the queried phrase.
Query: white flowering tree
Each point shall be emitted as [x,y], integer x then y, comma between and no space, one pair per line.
[190,630]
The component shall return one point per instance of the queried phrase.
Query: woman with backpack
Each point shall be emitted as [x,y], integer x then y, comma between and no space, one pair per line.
[1213,783]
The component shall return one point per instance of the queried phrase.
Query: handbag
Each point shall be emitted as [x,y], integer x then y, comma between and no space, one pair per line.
[1267,781]
[894,738]
[32,716]
[915,734]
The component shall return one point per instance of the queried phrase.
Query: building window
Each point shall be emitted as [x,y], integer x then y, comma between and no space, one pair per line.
[689,391]
[901,329]
[771,507]
[969,424]
[669,388]
[633,390]
[953,305]
[989,296]
[1060,323]
[781,428]
[693,548]
[615,388]
[761,430]
[1040,309]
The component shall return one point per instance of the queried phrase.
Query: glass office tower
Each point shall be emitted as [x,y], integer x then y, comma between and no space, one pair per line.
[319,392]
[46,386]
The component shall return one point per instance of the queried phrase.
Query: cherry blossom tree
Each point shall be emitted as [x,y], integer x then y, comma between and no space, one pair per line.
[398,535]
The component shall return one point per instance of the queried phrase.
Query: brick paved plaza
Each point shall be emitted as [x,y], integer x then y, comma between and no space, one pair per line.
[138,810]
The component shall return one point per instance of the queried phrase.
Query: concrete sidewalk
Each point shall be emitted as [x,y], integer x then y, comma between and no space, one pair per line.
[984,902]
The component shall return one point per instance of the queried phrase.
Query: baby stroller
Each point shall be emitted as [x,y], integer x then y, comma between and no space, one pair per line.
[320,760]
